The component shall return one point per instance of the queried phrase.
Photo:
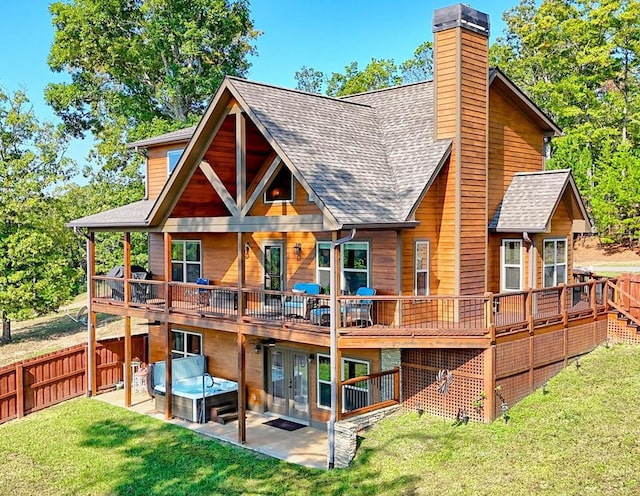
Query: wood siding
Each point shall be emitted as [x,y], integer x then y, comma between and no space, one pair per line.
[515,145]
[299,206]
[157,167]
[461,60]
[436,226]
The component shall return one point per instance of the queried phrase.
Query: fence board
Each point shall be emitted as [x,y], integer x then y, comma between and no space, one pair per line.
[43,381]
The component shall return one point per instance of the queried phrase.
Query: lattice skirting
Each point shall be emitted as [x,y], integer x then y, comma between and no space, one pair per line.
[619,332]
[420,387]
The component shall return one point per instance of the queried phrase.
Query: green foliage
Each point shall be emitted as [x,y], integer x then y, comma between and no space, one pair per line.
[36,273]
[144,59]
[378,74]
[580,61]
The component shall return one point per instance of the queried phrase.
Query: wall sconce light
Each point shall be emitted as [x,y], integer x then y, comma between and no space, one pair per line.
[258,348]
[297,249]
[247,249]
[311,357]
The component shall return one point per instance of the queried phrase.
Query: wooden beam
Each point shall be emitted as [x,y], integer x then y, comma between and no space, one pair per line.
[220,188]
[376,342]
[127,320]
[91,320]
[127,361]
[241,161]
[284,223]
[242,297]
[266,177]
[242,386]
[168,411]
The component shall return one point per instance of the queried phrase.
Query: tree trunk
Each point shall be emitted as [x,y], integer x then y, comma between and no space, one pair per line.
[6,329]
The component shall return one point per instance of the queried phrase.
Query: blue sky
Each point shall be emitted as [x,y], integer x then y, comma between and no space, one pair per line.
[324,34]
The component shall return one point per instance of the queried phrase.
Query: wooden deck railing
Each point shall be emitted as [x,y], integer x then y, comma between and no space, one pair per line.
[370,392]
[503,313]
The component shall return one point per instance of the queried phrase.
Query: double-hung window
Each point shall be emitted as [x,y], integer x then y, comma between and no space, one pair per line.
[324,381]
[355,265]
[555,262]
[184,344]
[511,265]
[422,268]
[186,260]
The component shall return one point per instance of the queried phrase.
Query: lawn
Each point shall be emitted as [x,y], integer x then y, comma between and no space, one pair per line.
[580,437]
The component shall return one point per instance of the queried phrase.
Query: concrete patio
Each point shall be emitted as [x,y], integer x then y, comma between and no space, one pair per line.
[306,446]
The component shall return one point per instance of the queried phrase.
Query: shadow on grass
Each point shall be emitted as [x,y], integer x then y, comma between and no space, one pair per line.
[166,459]
[55,327]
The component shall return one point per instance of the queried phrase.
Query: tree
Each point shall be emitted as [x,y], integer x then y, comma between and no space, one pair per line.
[580,61]
[36,274]
[378,74]
[144,59]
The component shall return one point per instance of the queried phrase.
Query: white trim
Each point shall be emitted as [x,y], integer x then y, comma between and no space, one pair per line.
[319,381]
[503,266]
[555,265]
[184,261]
[185,353]
[292,189]
[173,151]
[426,271]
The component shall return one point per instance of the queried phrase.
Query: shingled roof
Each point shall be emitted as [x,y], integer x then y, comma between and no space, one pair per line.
[132,215]
[367,157]
[530,201]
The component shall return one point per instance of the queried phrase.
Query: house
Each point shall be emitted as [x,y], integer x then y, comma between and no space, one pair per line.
[432,196]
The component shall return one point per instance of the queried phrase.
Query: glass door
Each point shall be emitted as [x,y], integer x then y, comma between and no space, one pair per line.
[289,384]
[273,271]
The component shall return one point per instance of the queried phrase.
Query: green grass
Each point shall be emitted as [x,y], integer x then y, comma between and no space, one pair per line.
[580,438]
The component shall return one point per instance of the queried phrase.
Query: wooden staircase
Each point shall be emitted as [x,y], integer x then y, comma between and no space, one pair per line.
[224,413]
[623,323]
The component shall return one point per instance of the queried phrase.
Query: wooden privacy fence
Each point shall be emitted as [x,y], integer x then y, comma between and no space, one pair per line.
[46,380]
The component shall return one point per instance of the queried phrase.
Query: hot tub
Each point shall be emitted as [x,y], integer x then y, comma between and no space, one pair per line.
[188,395]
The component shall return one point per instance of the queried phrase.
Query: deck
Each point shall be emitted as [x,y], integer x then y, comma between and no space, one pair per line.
[389,321]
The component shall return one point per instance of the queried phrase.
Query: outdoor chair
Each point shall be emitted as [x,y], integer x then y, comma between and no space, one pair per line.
[352,312]
[302,301]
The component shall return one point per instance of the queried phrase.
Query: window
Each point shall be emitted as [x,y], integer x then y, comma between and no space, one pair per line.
[173,156]
[281,187]
[355,265]
[324,381]
[323,254]
[511,263]
[422,268]
[555,262]
[355,395]
[184,344]
[186,261]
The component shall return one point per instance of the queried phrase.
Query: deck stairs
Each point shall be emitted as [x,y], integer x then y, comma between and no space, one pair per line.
[227,412]
[625,310]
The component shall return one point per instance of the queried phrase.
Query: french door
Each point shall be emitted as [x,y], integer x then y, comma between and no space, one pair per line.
[273,264]
[288,383]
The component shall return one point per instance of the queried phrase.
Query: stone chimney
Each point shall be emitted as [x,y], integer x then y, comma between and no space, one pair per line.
[461,75]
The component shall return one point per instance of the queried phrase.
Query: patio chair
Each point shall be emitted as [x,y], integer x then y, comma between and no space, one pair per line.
[299,304]
[358,312]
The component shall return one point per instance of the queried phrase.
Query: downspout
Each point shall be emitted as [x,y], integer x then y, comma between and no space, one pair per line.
[333,333]
[90,357]
[532,261]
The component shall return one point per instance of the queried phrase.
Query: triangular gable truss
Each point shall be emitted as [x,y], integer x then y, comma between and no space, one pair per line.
[228,101]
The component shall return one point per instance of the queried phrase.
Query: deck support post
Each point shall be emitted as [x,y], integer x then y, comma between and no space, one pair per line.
[242,407]
[334,311]
[166,329]
[242,297]
[91,320]
[127,320]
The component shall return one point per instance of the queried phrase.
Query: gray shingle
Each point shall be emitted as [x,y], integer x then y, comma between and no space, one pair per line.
[131,215]
[367,157]
[530,201]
